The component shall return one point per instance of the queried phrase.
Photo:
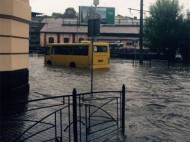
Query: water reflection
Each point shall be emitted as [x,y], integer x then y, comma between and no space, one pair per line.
[157,107]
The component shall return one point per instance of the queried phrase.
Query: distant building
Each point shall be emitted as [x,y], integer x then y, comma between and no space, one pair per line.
[62,31]
[35,27]
[124,20]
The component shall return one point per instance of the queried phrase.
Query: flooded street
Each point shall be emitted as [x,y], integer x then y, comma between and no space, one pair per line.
[157,99]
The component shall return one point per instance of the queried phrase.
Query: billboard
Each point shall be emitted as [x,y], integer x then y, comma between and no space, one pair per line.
[105,14]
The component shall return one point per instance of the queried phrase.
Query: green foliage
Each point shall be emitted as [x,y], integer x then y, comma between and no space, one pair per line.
[57,15]
[164,29]
[70,13]
[185,48]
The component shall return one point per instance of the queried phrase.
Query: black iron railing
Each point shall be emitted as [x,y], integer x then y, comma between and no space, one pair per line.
[163,63]
[90,117]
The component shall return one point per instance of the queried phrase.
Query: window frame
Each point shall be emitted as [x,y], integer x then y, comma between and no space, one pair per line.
[51,38]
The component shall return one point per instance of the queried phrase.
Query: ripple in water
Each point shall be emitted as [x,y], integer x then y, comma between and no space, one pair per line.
[157,100]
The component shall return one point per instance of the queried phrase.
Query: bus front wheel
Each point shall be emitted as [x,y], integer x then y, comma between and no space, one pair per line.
[49,62]
[72,65]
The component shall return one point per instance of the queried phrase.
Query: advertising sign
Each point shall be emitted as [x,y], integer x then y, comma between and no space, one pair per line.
[105,14]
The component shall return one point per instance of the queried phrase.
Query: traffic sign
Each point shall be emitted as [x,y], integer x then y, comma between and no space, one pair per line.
[135,43]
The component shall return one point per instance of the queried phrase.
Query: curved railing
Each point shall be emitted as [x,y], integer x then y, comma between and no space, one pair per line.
[77,117]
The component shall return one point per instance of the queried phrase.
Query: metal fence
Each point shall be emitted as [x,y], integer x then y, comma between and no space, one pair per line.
[90,117]
[163,63]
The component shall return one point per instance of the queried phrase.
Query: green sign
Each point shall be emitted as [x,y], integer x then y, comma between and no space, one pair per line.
[110,16]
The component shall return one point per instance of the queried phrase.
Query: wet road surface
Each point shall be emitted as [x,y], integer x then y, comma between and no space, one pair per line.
[157,99]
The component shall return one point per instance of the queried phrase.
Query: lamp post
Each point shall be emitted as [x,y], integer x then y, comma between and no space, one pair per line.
[141,33]
[92,58]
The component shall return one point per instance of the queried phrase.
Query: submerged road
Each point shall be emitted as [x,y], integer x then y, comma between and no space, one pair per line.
[158,99]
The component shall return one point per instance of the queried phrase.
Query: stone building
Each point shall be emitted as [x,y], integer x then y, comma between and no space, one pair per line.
[34,34]
[15,16]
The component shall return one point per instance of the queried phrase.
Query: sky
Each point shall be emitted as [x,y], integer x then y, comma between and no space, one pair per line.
[121,6]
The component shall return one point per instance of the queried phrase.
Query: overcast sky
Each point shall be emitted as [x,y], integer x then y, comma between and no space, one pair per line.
[121,6]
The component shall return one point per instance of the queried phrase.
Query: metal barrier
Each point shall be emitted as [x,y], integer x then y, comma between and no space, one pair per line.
[163,64]
[90,117]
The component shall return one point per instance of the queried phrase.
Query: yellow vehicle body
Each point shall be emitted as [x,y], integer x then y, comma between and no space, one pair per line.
[80,59]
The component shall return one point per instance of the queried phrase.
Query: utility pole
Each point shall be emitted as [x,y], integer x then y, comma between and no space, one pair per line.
[141,33]
[96,2]
[92,58]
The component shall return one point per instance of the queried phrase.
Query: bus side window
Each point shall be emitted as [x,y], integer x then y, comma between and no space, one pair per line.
[70,50]
[47,50]
[56,50]
[80,50]
[53,50]
[64,50]
[85,50]
[75,50]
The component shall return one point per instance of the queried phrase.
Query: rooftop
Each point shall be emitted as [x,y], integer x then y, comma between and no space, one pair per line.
[53,25]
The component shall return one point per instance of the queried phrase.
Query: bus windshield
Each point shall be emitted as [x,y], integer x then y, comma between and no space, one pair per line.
[100,48]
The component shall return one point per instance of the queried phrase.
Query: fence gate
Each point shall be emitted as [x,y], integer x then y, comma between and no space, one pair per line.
[90,117]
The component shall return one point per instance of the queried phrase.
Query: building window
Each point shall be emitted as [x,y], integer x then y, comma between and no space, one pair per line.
[81,39]
[66,40]
[51,40]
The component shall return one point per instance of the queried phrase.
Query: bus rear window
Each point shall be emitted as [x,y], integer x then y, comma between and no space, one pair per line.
[100,48]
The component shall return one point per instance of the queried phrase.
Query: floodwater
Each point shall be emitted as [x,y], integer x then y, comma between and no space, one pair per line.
[157,99]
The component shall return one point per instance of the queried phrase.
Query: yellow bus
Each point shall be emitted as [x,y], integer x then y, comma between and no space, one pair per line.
[78,55]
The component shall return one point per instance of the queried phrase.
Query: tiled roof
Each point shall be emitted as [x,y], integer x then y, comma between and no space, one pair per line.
[55,26]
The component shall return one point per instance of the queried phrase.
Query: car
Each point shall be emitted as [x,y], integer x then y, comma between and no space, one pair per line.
[178,56]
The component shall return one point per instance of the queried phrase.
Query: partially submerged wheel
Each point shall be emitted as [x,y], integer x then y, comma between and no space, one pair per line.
[49,62]
[72,65]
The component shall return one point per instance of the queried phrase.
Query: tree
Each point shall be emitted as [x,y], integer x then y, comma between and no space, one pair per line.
[57,15]
[185,47]
[70,13]
[163,30]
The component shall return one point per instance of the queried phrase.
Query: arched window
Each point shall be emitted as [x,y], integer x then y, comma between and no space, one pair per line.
[66,40]
[81,39]
[51,40]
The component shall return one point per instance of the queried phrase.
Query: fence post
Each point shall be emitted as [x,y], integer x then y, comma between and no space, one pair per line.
[168,64]
[123,110]
[75,115]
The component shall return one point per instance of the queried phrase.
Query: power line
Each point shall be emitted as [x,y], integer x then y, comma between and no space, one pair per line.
[140,10]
